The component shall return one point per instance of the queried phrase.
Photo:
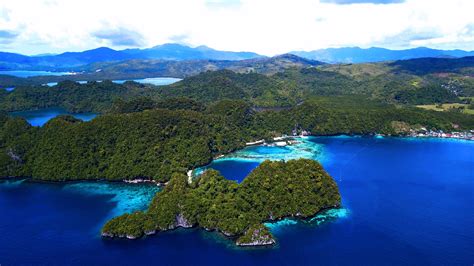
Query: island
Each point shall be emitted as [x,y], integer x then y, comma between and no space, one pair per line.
[159,134]
[273,191]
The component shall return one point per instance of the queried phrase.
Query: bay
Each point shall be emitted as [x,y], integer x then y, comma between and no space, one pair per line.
[42,116]
[405,202]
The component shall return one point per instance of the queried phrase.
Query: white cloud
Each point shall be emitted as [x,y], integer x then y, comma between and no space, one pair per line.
[264,26]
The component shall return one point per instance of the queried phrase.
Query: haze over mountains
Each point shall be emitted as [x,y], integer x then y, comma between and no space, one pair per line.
[71,60]
[178,52]
[375,54]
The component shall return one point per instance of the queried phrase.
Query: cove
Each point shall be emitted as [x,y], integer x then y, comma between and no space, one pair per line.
[42,116]
[406,202]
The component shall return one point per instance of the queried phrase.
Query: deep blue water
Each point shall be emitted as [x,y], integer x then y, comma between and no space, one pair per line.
[233,170]
[408,202]
[40,117]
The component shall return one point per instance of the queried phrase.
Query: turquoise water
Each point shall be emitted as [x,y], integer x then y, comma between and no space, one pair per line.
[237,165]
[42,116]
[405,202]
[126,197]
[29,73]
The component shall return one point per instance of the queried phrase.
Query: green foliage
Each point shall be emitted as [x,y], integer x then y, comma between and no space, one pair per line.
[426,96]
[422,66]
[274,190]
[283,89]
[16,137]
[257,233]
[146,103]
[156,143]
[72,96]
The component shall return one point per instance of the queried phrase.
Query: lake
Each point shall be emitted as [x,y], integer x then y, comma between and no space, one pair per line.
[30,73]
[152,81]
[40,117]
[406,202]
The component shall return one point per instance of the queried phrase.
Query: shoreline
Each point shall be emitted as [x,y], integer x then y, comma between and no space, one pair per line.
[223,156]
[61,182]
[297,218]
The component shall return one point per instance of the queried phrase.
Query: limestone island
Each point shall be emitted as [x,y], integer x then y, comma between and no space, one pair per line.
[271,192]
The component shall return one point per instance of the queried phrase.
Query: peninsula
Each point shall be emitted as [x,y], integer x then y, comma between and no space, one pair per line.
[274,190]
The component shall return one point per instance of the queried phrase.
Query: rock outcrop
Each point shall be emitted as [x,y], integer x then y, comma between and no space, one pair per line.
[257,235]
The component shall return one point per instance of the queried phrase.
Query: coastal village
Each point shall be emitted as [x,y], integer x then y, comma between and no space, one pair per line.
[285,140]
[424,133]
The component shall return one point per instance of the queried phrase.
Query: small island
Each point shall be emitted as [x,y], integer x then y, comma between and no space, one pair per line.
[271,192]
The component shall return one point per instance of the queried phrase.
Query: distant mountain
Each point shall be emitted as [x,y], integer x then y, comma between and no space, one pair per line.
[139,68]
[73,60]
[374,54]
[153,68]
[272,65]
[178,52]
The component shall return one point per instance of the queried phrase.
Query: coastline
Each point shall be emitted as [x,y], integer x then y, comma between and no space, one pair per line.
[192,172]
[124,181]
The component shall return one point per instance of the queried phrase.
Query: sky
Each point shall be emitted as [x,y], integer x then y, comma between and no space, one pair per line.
[267,27]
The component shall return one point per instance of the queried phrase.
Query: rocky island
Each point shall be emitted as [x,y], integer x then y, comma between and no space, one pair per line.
[274,190]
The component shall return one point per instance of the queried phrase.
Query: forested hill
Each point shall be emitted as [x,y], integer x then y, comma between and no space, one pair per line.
[159,142]
[72,96]
[136,69]
[297,188]
[425,66]
[381,82]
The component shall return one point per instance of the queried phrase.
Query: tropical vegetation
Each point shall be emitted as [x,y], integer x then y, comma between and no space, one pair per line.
[272,191]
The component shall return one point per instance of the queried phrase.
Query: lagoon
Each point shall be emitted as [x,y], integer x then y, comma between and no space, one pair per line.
[42,116]
[406,202]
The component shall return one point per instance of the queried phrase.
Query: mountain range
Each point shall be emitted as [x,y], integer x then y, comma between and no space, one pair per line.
[72,60]
[147,68]
[375,54]
[75,61]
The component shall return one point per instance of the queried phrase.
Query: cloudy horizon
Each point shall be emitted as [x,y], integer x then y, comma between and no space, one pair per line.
[262,26]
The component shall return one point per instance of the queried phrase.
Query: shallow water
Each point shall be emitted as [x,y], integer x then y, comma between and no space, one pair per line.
[41,117]
[237,166]
[406,202]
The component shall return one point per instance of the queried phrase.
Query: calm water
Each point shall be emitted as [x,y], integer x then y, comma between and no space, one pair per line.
[406,202]
[153,81]
[28,73]
[40,117]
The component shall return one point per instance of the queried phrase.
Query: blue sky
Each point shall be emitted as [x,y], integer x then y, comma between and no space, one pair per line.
[265,26]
